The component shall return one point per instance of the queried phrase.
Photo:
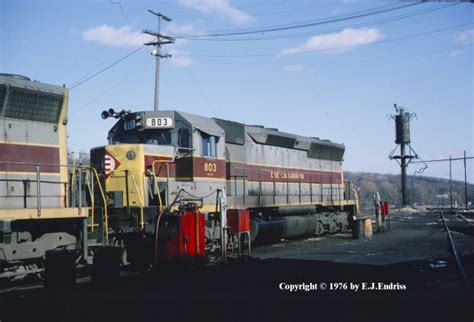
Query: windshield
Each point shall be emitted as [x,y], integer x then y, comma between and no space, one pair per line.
[157,137]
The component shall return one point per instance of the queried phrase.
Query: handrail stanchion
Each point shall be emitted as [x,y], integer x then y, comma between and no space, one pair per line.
[155,179]
[106,215]
[142,219]
[90,187]
[38,190]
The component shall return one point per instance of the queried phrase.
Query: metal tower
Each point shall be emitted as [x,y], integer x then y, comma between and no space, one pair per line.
[402,139]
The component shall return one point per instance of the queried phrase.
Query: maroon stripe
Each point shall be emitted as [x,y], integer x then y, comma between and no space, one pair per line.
[208,167]
[215,168]
[281,174]
[12,154]
[188,167]
[160,167]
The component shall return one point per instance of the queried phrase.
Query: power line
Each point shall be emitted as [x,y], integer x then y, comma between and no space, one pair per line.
[305,34]
[329,49]
[297,26]
[114,53]
[251,29]
[423,53]
[266,13]
[106,68]
[105,60]
[100,64]
[113,86]
[443,160]
[434,51]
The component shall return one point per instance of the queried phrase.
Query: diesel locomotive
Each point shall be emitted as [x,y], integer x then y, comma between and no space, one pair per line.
[36,211]
[289,185]
[167,184]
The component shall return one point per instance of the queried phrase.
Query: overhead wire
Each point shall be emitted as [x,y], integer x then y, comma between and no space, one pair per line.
[106,68]
[251,29]
[102,62]
[330,49]
[281,27]
[115,52]
[113,86]
[306,34]
[296,26]
[428,52]
[200,89]
[423,53]
[294,10]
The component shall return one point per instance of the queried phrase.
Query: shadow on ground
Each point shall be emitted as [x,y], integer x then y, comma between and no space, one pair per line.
[251,291]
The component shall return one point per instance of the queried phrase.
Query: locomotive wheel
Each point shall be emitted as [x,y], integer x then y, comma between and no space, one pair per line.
[319,229]
[60,268]
[106,265]
[123,258]
[333,227]
[342,227]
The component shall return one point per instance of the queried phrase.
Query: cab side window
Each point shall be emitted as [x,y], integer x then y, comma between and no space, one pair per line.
[184,139]
[209,145]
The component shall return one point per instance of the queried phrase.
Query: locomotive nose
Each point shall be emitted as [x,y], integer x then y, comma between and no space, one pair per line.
[110,164]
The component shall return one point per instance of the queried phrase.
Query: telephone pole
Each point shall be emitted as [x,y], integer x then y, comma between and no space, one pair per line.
[465,181]
[450,182]
[159,41]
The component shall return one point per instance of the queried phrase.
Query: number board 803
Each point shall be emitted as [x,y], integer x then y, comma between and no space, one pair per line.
[159,122]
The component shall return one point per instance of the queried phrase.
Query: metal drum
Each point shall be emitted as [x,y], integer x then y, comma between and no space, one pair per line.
[362,228]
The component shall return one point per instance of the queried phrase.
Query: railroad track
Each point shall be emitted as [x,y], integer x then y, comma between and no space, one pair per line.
[452,244]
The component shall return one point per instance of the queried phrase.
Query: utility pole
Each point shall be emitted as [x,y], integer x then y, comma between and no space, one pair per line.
[403,165]
[465,181]
[450,182]
[159,41]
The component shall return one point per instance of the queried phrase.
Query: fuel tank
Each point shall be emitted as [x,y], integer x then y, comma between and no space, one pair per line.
[276,228]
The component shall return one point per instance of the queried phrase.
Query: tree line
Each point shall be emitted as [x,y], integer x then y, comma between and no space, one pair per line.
[420,190]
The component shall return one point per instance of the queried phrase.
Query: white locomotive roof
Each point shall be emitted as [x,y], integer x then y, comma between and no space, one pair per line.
[203,124]
[24,82]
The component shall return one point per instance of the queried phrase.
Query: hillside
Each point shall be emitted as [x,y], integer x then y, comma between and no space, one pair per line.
[421,190]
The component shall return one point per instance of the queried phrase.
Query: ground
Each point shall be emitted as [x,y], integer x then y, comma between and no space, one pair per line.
[300,280]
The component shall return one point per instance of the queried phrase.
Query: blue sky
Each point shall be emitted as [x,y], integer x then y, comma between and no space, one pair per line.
[336,80]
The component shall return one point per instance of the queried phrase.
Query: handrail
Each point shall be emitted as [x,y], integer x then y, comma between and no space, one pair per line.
[38,190]
[73,179]
[106,215]
[173,159]
[88,185]
[142,221]
[35,163]
[155,178]
[142,201]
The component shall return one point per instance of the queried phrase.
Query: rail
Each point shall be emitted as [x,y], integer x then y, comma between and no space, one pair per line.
[453,250]
[464,219]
